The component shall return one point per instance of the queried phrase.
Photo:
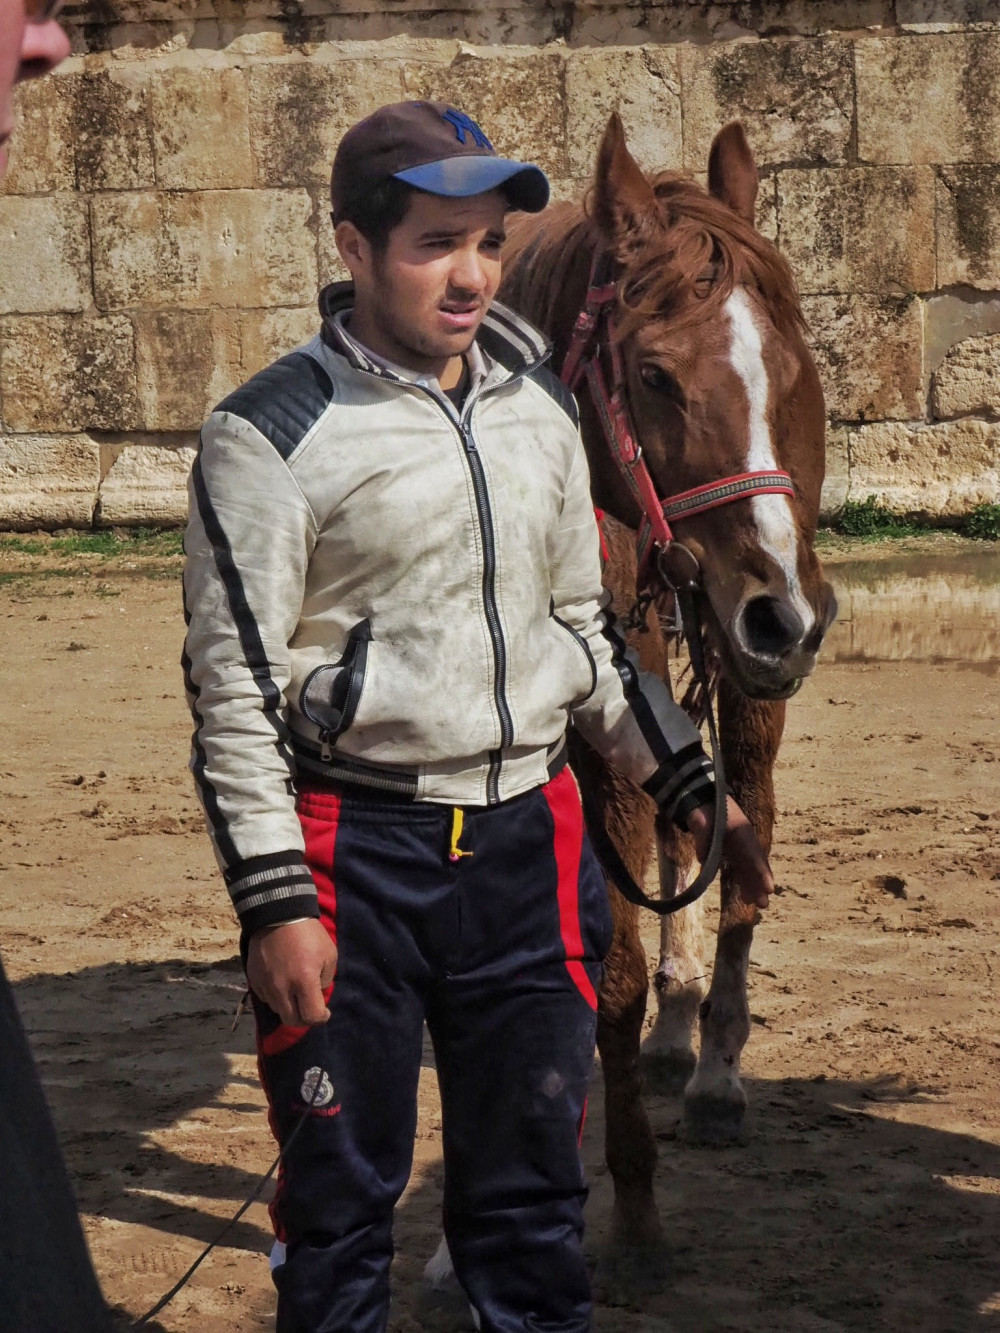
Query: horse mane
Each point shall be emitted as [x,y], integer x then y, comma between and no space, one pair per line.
[665,272]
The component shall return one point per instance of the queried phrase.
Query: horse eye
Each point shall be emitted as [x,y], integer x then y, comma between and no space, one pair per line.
[661,380]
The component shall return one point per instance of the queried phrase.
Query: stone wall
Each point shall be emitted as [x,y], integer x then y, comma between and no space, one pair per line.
[164,228]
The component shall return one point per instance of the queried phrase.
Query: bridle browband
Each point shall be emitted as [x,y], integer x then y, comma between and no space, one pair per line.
[661,558]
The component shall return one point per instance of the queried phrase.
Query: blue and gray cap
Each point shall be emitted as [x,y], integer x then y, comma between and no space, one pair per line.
[435,148]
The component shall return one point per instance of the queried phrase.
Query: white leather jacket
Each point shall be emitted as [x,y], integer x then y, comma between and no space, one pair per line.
[383,591]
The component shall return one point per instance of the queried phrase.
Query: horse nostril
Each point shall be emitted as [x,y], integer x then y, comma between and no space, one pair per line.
[771,628]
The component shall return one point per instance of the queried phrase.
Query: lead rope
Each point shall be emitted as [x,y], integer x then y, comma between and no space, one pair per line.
[182,1282]
[607,852]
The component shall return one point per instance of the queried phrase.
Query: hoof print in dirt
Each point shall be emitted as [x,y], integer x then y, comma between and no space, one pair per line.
[629,1274]
[713,1122]
[666,1073]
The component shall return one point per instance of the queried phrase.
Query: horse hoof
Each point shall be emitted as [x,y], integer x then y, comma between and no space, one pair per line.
[666,1073]
[713,1121]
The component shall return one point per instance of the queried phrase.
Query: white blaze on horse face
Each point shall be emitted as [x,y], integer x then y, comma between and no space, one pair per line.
[773,518]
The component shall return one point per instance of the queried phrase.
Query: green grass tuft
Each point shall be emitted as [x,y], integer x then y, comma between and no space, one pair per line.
[131,543]
[871,521]
[983,523]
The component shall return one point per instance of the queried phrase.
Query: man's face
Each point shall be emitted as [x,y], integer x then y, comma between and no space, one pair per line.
[421,301]
[27,50]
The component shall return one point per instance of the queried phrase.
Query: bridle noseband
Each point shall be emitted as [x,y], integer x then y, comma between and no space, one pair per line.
[660,556]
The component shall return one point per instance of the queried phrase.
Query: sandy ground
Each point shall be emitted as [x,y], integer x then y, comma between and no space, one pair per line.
[868,1196]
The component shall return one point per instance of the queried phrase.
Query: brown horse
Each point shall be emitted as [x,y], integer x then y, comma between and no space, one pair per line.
[718,381]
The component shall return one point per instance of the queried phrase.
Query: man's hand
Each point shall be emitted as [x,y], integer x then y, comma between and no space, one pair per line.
[744,854]
[290,966]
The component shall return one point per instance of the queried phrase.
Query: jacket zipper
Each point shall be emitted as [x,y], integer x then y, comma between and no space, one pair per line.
[485,516]
[487,532]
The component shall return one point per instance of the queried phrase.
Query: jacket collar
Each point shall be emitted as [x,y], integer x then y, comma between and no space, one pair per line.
[504,337]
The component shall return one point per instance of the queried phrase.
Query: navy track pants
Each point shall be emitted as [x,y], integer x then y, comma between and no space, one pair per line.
[500,951]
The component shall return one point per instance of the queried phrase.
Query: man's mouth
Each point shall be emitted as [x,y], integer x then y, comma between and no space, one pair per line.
[460,315]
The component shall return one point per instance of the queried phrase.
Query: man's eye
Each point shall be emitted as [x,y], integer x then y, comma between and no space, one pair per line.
[661,380]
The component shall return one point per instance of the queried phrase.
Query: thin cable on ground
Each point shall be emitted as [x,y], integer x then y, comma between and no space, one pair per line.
[183,1281]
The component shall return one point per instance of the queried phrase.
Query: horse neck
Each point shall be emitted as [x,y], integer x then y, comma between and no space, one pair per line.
[546,276]
[546,271]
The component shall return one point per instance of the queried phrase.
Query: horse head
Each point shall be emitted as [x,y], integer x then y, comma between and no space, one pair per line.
[719,382]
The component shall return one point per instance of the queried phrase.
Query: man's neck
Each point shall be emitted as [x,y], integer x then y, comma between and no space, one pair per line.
[448,371]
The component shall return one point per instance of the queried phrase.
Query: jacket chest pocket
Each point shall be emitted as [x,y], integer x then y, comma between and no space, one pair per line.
[331,693]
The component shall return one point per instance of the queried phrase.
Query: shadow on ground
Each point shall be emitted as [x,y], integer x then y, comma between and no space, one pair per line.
[834,1217]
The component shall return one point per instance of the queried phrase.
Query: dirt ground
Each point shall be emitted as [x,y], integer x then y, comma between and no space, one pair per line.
[868,1195]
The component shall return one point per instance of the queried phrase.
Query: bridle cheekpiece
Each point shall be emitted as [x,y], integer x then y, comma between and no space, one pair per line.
[593,332]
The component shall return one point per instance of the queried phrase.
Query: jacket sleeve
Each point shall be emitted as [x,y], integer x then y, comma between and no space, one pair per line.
[248,541]
[629,717]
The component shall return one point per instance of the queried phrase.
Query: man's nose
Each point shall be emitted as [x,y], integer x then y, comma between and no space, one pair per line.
[43,46]
[468,272]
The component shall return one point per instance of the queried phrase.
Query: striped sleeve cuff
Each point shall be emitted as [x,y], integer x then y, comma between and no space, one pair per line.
[268,889]
[683,784]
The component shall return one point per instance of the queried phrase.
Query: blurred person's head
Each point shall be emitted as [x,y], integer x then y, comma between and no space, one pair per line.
[31,44]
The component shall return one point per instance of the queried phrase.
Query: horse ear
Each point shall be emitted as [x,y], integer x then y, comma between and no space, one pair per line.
[623,203]
[732,170]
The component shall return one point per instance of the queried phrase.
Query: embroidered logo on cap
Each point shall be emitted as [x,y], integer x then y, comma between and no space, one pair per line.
[466,125]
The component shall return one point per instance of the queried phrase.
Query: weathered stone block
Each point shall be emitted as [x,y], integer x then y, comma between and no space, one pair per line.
[63,373]
[837,477]
[951,317]
[642,85]
[114,149]
[968,379]
[796,99]
[868,352]
[146,485]
[187,360]
[968,227]
[224,248]
[518,101]
[48,481]
[299,113]
[929,99]
[44,254]
[945,15]
[201,129]
[934,471]
[868,229]
[42,151]
[267,334]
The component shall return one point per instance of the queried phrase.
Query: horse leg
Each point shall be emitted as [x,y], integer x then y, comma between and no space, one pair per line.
[630,1149]
[714,1100]
[668,1057]
[629,1146]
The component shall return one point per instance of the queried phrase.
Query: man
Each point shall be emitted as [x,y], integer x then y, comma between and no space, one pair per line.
[46,1282]
[395,608]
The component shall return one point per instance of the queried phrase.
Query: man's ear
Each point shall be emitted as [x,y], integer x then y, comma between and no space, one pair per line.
[353,248]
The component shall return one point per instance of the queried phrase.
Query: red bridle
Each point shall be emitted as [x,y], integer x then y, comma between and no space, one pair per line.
[592,333]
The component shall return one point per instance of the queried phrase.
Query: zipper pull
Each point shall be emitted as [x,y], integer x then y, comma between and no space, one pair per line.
[325,750]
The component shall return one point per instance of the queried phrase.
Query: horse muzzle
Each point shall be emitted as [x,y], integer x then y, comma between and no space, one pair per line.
[772,648]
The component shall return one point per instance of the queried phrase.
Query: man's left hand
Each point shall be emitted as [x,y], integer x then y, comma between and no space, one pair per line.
[741,848]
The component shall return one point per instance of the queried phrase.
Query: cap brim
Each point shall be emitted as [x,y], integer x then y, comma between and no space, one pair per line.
[526,186]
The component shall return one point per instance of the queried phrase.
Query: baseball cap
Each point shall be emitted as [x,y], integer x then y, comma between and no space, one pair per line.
[434,147]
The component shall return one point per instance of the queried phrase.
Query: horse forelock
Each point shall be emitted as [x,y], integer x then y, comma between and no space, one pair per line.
[662,275]
[687,268]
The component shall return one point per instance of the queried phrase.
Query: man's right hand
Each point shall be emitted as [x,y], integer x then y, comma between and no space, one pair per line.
[289,966]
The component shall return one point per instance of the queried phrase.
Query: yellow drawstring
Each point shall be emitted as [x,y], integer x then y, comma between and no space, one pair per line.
[457,820]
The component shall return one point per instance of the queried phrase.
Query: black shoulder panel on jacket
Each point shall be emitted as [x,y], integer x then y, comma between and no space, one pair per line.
[284,400]
[557,391]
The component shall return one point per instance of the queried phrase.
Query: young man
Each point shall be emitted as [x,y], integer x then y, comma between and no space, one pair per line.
[395,609]
[46,1282]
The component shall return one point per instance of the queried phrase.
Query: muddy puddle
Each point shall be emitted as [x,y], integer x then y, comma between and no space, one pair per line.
[918,608]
